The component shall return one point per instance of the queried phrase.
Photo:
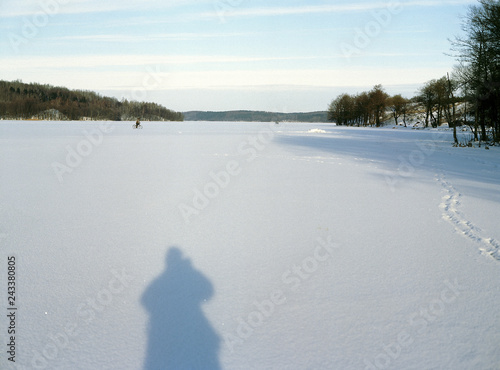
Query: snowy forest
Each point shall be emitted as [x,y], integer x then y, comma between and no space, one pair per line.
[470,96]
[20,100]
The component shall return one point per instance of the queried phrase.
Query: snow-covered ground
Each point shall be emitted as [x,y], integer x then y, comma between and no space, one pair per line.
[248,246]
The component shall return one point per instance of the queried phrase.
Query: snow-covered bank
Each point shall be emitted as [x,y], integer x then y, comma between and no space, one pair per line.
[295,246]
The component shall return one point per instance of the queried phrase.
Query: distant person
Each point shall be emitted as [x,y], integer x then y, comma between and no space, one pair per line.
[137,123]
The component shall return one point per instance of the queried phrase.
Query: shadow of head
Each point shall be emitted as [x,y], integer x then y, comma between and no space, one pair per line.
[180,336]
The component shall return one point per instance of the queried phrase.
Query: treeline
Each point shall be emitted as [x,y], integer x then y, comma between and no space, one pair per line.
[367,108]
[435,99]
[20,100]
[471,95]
[255,116]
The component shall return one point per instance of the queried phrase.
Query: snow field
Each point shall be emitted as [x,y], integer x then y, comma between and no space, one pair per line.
[314,258]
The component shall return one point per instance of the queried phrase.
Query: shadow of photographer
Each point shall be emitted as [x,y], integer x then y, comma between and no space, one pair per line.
[180,336]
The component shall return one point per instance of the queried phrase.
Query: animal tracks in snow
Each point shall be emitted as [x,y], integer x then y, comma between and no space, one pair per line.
[450,206]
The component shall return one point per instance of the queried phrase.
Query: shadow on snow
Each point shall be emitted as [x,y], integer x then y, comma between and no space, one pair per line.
[180,336]
[408,152]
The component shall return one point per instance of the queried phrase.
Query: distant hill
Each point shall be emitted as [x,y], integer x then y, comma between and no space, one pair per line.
[20,100]
[255,116]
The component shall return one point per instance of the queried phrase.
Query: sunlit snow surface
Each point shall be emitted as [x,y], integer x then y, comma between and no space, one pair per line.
[249,246]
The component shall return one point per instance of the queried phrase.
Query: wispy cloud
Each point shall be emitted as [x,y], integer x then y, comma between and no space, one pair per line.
[338,8]
[138,61]
[29,7]
[187,36]
[116,79]
[301,77]
[132,60]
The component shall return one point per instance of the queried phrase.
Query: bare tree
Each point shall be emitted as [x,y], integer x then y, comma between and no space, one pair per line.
[378,102]
[399,107]
[427,97]
[478,53]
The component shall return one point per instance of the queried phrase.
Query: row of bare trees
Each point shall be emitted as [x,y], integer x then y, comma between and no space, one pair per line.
[367,108]
[436,99]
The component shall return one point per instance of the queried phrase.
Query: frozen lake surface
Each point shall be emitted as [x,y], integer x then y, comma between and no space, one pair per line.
[249,246]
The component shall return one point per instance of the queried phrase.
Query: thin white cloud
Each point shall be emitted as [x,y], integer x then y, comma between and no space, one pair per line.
[187,36]
[300,78]
[30,7]
[93,79]
[127,60]
[339,8]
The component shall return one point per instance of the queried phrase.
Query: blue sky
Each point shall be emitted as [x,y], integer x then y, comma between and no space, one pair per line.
[229,54]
